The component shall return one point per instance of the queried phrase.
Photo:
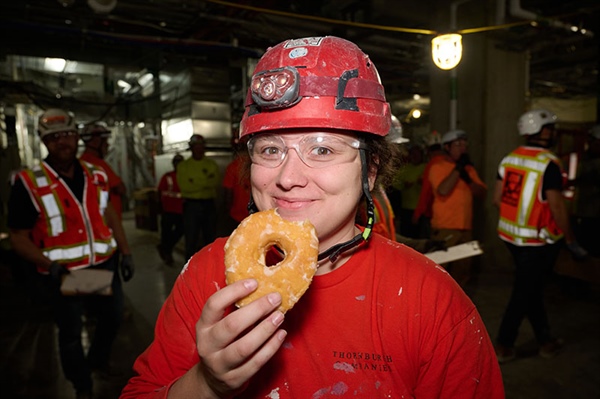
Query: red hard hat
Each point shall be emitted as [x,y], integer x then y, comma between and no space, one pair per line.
[316,82]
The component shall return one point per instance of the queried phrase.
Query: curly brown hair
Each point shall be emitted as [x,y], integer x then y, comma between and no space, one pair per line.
[382,155]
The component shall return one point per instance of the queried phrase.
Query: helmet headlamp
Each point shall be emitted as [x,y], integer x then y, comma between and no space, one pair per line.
[276,88]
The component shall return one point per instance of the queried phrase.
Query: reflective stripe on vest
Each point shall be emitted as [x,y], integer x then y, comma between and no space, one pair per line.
[78,252]
[525,163]
[40,177]
[528,197]
[77,236]
[514,230]
[56,225]
[53,212]
[103,195]
[521,220]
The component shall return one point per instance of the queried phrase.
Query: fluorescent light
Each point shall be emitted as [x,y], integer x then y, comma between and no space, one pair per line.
[145,79]
[55,64]
[123,85]
[177,132]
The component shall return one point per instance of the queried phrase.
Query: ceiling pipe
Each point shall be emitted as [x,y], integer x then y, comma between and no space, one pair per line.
[453,122]
[515,10]
[500,11]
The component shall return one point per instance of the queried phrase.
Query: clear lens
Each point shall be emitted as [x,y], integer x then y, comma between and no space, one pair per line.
[315,150]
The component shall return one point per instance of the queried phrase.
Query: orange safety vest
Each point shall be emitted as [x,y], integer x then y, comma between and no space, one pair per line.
[67,231]
[525,217]
[384,214]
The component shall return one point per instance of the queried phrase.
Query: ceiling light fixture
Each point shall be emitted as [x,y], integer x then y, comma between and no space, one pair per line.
[124,85]
[446,50]
[102,6]
[55,64]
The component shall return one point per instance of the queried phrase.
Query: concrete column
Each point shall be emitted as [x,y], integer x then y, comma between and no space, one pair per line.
[505,100]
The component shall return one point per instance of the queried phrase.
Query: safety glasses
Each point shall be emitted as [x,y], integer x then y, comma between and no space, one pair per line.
[317,150]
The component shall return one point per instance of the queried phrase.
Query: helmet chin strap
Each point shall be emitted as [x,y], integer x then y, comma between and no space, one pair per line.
[335,251]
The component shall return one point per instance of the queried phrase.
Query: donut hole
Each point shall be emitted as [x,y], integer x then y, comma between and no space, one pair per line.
[274,255]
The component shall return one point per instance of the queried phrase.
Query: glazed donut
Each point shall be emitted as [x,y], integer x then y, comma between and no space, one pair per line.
[245,256]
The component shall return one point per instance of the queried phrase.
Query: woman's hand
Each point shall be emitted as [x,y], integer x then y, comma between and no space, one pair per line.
[233,348]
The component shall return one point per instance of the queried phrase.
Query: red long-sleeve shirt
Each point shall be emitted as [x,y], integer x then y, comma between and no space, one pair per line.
[388,323]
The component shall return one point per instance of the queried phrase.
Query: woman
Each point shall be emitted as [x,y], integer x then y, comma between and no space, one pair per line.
[379,319]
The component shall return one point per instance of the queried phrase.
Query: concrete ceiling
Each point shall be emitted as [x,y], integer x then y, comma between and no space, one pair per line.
[137,35]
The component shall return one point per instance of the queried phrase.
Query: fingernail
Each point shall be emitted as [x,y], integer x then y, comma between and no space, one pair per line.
[251,284]
[274,298]
[281,334]
[277,318]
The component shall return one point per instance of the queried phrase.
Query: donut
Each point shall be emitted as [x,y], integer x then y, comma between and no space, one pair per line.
[247,246]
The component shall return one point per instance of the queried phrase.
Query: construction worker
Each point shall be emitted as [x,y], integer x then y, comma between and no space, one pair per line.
[198,179]
[171,212]
[423,212]
[533,219]
[455,183]
[95,136]
[379,319]
[60,220]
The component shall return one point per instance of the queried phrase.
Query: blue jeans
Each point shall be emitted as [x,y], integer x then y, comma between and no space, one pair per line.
[532,266]
[68,312]
[199,216]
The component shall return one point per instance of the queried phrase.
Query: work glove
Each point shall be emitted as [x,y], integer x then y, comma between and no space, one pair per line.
[435,245]
[577,251]
[461,164]
[57,270]
[463,161]
[465,175]
[127,267]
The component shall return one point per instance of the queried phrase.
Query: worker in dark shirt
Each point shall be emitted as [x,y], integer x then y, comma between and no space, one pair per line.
[533,220]
[61,220]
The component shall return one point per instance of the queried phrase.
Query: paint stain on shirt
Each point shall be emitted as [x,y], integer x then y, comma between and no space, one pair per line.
[343,366]
[274,394]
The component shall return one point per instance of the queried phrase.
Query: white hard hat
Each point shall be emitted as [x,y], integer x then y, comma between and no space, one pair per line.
[396,134]
[452,135]
[95,129]
[532,122]
[432,139]
[55,120]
